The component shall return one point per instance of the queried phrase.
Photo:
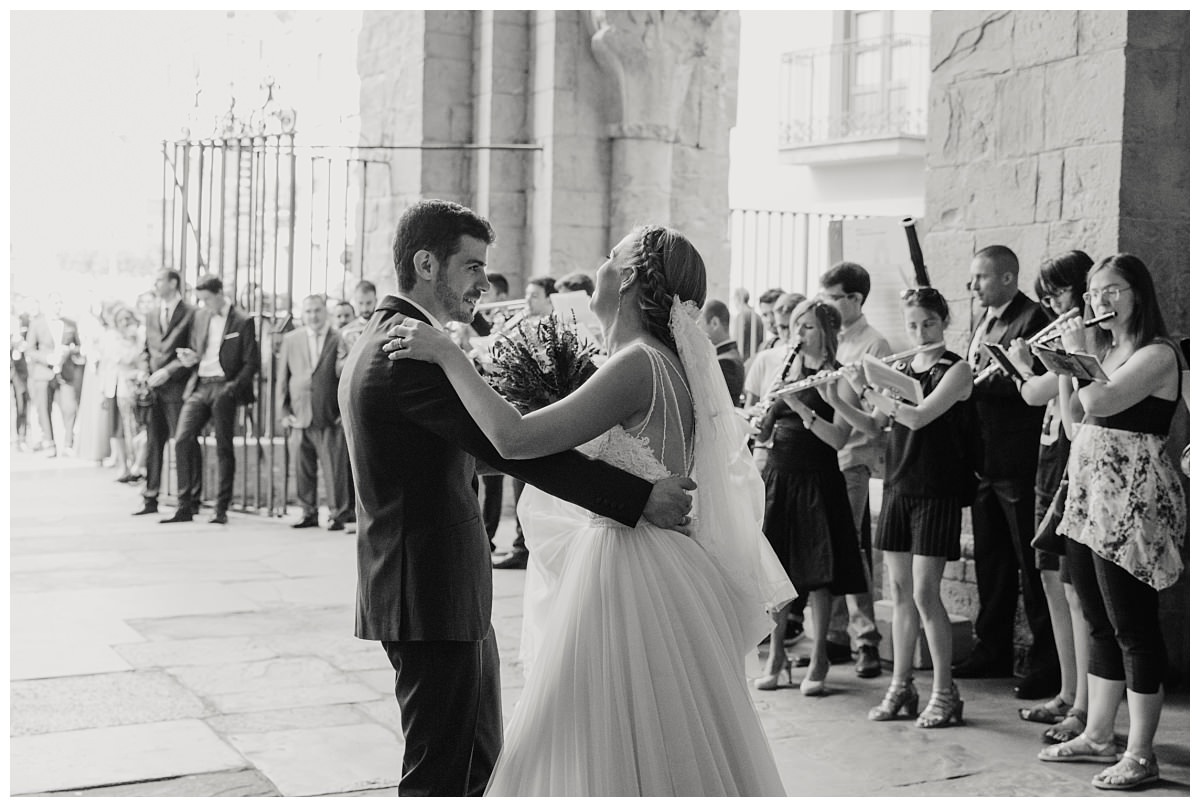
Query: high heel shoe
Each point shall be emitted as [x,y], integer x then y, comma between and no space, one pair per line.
[811,685]
[899,697]
[773,680]
[943,708]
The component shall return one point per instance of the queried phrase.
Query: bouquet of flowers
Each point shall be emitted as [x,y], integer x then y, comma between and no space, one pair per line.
[540,363]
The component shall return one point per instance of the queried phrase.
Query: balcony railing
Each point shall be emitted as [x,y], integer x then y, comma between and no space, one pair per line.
[862,90]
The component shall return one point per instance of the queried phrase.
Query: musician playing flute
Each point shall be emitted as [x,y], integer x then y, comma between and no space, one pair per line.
[928,481]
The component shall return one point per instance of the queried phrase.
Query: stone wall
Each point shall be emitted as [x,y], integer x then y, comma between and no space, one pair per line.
[1058,130]
[534,77]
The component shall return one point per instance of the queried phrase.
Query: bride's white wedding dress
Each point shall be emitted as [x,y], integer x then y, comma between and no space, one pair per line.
[635,639]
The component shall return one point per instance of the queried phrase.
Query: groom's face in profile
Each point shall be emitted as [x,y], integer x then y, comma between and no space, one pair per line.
[461,280]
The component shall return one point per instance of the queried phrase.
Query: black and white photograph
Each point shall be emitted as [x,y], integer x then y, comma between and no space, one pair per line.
[783,403]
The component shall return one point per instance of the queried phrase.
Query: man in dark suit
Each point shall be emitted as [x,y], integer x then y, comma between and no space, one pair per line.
[310,364]
[714,321]
[424,577]
[168,328]
[223,358]
[55,365]
[1002,513]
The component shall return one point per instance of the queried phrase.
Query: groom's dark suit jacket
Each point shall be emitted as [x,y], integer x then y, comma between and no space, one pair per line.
[424,562]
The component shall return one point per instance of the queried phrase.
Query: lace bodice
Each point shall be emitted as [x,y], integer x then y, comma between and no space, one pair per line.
[661,445]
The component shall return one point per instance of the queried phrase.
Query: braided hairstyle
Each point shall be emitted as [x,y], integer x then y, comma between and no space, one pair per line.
[666,265]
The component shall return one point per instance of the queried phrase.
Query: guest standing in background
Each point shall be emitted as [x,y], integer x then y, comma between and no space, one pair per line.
[167,330]
[310,366]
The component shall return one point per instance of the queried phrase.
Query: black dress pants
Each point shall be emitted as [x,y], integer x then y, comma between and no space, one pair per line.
[1002,519]
[210,401]
[449,696]
[163,421]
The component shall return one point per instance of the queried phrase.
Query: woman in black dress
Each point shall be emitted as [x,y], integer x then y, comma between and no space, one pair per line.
[808,518]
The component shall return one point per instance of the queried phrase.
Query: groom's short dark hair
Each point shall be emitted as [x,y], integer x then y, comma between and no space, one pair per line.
[437,226]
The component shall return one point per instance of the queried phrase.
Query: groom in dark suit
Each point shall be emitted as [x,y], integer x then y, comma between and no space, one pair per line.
[424,570]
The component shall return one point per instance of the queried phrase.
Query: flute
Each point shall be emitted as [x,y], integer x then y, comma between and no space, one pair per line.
[1044,337]
[826,376]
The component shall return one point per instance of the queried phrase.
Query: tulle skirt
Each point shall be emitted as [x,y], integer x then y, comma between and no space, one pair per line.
[635,681]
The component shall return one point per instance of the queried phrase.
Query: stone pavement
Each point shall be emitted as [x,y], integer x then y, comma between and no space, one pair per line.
[195,659]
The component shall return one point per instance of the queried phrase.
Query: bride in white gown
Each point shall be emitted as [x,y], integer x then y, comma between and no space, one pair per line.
[635,639]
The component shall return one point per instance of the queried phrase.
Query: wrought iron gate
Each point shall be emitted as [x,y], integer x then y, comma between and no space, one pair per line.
[276,222]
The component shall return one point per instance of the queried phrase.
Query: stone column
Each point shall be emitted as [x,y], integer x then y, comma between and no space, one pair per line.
[650,56]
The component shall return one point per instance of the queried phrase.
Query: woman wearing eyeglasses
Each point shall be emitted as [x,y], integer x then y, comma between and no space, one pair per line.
[929,479]
[1125,515]
[1060,285]
[808,520]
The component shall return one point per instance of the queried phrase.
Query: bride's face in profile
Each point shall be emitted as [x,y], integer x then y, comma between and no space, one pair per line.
[612,273]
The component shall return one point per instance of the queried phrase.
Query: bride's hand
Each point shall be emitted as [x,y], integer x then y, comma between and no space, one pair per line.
[413,339]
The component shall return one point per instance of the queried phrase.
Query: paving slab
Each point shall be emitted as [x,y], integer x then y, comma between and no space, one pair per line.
[385,712]
[95,701]
[302,591]
[234,783]
[139,601]
[92,757]
[42,656]
[280,619]
[195,652]
[339,759]
[272,684]
[304,717]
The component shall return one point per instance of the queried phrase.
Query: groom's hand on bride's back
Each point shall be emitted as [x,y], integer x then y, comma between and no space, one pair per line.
[670,503]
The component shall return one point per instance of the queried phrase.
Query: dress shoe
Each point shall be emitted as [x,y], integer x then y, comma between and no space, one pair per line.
[511,560]
[976,666]
[336,526]
[219,517]
[838,653]
[1037,685]
[181,515]
[868,662]
[307,521]
[150,506]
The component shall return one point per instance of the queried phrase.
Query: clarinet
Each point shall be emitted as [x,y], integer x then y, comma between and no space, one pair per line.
[767,420]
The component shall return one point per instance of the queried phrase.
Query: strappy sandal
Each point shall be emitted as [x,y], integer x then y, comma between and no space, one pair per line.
[945,707]
[1050,712]
[1130,772]
[1081,749]
[1066,729]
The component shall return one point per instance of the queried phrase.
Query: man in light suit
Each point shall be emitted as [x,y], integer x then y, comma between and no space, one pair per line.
[223,358]
[168,328]
[310,364]
[424,576]
[1002,513]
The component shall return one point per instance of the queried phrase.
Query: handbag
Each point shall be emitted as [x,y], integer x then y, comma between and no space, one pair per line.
[1047,539]
[144,399]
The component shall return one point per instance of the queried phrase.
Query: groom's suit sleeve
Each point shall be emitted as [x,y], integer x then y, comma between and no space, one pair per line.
[427,398]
